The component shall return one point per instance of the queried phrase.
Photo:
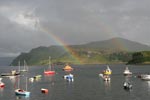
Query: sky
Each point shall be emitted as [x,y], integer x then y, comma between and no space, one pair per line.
[27,24]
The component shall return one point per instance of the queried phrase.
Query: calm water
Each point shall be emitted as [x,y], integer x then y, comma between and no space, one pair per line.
[87,84]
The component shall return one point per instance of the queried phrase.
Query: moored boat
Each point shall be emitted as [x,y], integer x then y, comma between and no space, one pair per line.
[12,73]
[145,77]
[127,71]
[43,90]
[107,71]
[127,85]
[25,67]
[49,71]
[1,83]
[67,68]
[69,77]
[22,92]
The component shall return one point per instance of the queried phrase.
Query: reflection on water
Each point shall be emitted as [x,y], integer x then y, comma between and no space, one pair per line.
[12,79]
[87,85]
[107,84]
[1,91]
[22,98]
[49,78]
[148,85]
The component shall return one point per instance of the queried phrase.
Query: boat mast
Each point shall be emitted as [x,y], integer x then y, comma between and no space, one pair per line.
[19,66]
[50,62]
[26,84]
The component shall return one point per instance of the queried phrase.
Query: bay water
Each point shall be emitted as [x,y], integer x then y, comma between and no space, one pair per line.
[87,85]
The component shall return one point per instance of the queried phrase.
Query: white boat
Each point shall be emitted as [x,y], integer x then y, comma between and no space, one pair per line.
[127,85]
[107,71]
[25,67]
[69,77]
[145,77]
[127,71]
[22,92]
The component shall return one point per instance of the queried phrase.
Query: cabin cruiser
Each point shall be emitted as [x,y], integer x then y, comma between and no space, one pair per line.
[127,72]
[12,73]
[107,71]
[145,77]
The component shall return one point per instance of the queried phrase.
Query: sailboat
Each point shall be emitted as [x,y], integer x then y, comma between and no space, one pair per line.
[25,69]
[49,71]
[22,92]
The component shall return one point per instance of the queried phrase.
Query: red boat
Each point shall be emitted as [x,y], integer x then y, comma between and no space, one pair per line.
[44,90]
[1,83]
[49,71]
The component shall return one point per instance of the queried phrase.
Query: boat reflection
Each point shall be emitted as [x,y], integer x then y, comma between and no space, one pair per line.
[107,83]
[22,97]
[49,78]
[1,90]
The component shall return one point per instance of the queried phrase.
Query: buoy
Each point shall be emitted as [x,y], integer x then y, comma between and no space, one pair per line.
[2,85]
[44,90]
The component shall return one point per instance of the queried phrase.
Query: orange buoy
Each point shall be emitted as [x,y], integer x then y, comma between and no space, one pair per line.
[44,90]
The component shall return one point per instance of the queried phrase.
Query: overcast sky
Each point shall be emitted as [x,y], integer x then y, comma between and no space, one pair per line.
[26,24]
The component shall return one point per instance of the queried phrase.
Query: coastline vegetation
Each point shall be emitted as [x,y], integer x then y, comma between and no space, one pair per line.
[101,52]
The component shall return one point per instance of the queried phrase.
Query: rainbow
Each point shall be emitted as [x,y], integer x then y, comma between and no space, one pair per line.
[119,44]
[72,53]
[58,41]
[111,33]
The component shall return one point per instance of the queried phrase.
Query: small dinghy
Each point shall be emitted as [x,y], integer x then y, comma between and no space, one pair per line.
[127,85]
[43,90]
[69,77]
[1,83]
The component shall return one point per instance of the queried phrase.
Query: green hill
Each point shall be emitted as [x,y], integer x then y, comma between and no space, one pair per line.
[116,50]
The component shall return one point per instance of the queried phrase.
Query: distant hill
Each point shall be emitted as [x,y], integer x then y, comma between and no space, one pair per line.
[115,50]
[118,44]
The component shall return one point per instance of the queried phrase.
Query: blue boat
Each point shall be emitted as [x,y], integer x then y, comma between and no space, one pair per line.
[22,92]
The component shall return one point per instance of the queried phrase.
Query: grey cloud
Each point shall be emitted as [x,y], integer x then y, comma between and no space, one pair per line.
[72,21]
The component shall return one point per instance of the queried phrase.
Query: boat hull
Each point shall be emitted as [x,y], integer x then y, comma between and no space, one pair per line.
[2,85]
[145,77]
[49,72]
[127,74]
[44,90]
[22,92]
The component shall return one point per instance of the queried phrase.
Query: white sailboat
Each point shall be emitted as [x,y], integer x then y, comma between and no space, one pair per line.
[25,67]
